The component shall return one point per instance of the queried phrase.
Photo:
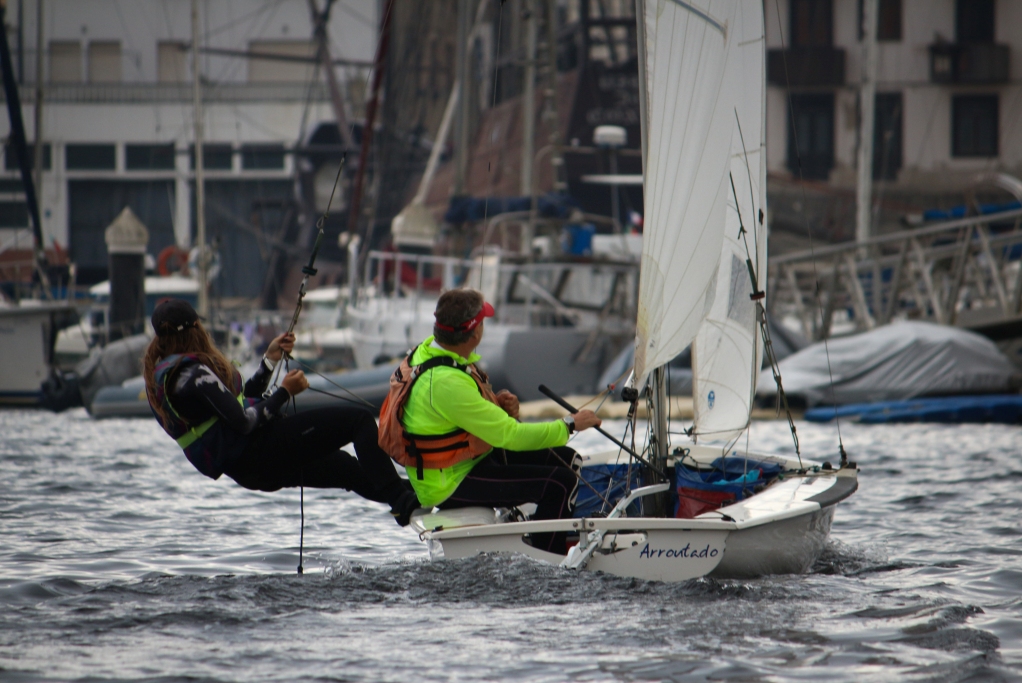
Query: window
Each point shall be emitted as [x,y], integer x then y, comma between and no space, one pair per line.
[262,157]
[90,157]
[974,21]
[105,61]
[974,126]
[888,20]
[65,61]
[214,157]
[812,23]
[13,214]
[149,157]
[280,70]
[812,141]
[887,136]
[11,187]
[171,62]
[11,158]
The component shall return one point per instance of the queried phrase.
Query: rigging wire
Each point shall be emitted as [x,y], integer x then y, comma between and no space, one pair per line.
[309,270]
[355,398]
[809,231]
[768,344]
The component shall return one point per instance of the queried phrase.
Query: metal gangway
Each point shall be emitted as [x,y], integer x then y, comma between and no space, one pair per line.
[962,272]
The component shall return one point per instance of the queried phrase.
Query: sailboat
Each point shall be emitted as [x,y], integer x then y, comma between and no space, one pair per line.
[702,281]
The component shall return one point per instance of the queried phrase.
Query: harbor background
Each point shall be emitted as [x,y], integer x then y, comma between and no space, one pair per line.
[119,562]
[117,121]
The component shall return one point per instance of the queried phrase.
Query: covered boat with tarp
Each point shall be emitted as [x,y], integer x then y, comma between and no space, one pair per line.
[896,362]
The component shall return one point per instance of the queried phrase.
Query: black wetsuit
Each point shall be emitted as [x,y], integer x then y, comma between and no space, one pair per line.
[299,449]
[509,478]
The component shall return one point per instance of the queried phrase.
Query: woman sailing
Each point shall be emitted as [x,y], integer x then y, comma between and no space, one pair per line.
[225,427]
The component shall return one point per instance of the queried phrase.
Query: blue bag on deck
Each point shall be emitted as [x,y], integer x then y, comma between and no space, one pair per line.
[731,479]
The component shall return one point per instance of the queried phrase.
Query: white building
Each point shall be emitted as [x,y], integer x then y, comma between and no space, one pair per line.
[949,98]
[117,117]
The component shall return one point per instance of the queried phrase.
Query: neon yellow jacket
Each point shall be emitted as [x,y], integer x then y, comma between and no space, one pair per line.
[445,399]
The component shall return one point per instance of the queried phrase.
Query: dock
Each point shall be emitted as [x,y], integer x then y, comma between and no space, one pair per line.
[613,409]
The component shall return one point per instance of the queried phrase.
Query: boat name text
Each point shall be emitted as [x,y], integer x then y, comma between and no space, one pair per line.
[687,551]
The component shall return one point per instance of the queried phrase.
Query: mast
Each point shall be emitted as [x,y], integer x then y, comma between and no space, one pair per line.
[550,113]
[867,101]
[38,151]
[461,76]
[17,140]
[319,21]
[367,130]
[657,384]
[200,176]
[640,36]
[529,101]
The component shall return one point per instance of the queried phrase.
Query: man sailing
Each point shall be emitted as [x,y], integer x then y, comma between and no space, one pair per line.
[460,443]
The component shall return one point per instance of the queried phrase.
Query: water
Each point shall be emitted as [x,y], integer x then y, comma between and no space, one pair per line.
[119,562]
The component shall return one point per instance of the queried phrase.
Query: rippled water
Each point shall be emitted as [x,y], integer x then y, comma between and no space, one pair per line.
[120,562]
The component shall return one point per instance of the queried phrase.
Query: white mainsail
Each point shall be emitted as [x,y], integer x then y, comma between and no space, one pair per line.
[727,351]
[689,121]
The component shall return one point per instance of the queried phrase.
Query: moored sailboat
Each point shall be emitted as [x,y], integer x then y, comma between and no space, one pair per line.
[703,508]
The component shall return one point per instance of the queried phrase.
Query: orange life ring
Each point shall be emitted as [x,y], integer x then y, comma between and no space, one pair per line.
[172,259]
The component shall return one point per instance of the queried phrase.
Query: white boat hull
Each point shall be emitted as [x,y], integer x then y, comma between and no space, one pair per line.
[789,546]
[26,350]
[781,530]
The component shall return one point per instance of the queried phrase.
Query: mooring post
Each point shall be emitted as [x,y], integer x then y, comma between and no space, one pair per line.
[126,242]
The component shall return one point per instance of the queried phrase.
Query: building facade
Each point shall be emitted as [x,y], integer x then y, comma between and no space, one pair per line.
[948,99]
[117,119]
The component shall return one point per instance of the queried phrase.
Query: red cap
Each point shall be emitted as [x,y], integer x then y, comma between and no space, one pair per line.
[471,323]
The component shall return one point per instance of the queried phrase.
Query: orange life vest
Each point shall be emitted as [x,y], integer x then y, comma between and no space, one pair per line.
[427,451]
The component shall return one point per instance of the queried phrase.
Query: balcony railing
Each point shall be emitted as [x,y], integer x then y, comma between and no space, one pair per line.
[806,66]
[156,93]
[969,63]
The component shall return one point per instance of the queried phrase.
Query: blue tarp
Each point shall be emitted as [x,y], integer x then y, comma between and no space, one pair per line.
[962,211]
[1006,409]
[729,475]
[468,209]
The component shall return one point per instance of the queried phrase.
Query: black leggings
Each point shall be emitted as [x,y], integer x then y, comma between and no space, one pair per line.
[541,477]
[304,449]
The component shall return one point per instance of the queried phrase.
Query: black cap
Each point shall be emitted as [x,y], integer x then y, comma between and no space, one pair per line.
[172,316]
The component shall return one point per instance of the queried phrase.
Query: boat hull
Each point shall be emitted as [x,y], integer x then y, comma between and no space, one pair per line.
[27,336]
[782,530]
[790,546]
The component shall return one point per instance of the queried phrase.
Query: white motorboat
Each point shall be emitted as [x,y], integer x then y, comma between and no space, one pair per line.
[27,334]
[322,336]
[558,321]
[702,83]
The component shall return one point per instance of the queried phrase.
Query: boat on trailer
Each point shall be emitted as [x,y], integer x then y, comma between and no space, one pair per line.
[705,507]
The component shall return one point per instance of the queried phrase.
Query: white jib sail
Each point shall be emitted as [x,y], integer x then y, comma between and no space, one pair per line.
[727,351]
[689,123]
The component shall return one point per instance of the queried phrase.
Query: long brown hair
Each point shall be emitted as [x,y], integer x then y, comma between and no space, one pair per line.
[193,340]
